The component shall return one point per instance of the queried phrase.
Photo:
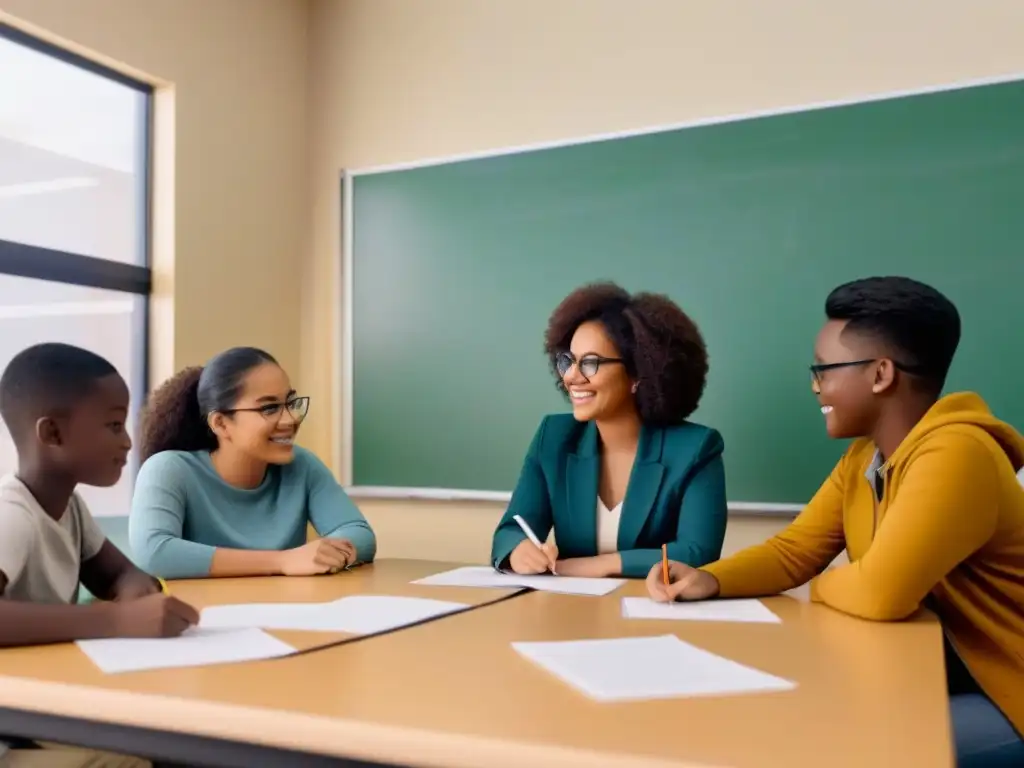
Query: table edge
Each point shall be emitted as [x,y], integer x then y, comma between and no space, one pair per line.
[111,714]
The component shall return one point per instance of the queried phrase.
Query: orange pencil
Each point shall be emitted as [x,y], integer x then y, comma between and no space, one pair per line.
[664,563]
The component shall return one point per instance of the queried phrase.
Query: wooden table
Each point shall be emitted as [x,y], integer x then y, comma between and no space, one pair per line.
[452,692]
[868,695]
[389,577]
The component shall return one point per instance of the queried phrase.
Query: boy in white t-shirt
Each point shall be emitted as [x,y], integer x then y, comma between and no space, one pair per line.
[65,409]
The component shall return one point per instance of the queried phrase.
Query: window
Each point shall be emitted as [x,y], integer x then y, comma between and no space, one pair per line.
[74,218]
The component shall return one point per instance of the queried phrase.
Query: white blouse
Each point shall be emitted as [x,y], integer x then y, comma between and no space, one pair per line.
[608,527]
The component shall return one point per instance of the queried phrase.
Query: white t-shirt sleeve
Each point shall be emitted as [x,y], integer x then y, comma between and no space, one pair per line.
[17,539]
[92,536]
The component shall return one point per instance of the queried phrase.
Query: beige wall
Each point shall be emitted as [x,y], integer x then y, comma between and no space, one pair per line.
[396,80]
[232,218]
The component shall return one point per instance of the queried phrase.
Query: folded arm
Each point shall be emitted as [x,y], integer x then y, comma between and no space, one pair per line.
[945,511]
[700,531]
[157,540]
[792,557]
[334,516]
[156,525]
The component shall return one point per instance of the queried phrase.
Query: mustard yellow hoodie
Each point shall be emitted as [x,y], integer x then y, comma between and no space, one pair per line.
[942,518]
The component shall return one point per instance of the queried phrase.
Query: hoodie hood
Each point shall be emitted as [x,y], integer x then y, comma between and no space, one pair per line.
[968,409]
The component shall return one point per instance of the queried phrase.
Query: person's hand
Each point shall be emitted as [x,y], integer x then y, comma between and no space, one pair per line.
[318,556]
[349,550]
[135,585]
[157,615]
[685,583]
[527,558]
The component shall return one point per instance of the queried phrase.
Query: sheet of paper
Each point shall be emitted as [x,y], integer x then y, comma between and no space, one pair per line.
[753,611]
[484,576]
[637,668]
[196,647]
[358,614]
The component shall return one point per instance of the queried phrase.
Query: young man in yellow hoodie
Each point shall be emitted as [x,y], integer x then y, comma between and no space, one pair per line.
[926,503]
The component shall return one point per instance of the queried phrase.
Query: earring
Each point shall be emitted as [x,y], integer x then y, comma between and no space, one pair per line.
[635,385]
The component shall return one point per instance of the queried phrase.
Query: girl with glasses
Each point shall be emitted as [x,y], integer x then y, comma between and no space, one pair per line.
[224,490]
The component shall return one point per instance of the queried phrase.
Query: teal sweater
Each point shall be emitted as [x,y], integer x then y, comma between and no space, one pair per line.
[182,511]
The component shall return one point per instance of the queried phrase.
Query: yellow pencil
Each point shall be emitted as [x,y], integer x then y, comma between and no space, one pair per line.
[664,563]
[163,586]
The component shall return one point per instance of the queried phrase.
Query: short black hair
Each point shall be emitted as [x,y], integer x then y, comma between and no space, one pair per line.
[918,323]
[47,380]
[174,419]
[660,345]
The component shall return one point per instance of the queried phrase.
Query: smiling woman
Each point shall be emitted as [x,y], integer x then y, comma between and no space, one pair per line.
[626,473]
[224,491]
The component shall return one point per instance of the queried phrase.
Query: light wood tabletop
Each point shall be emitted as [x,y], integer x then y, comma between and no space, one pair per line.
[868,694]
[453,692]
[388,577]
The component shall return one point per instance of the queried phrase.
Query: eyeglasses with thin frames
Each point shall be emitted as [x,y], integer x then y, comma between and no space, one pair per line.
[588,365]
[820,368]
[298,407]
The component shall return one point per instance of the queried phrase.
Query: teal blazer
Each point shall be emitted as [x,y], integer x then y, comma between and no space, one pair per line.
[675,496]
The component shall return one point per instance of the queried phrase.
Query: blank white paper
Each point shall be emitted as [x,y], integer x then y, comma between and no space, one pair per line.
[482,576]
[637,668]
[358,614]
[194,647]
[753,611]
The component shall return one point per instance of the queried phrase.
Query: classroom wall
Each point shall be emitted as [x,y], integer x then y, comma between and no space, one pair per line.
[393,81]
[232,188]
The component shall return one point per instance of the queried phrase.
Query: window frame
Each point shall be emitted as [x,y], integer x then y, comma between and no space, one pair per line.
[30,261]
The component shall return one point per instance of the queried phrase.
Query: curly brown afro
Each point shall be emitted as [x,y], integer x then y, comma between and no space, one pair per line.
[661,345]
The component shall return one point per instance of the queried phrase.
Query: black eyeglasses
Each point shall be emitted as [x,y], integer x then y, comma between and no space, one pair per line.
[588,365]
[820,368]
[298,407]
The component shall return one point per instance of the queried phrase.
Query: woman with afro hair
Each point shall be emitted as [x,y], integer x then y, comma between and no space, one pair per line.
[625,473]
[223,489]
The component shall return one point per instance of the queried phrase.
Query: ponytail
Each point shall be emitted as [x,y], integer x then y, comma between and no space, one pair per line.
[172,420]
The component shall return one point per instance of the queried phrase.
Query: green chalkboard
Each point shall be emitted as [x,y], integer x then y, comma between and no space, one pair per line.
[746,224]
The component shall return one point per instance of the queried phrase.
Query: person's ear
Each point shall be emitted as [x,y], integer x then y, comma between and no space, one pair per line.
[48,431]
[217,422]
[885,376]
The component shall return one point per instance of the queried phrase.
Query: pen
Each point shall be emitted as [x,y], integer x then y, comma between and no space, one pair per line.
[527,530]
[664,563]
[530,534]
